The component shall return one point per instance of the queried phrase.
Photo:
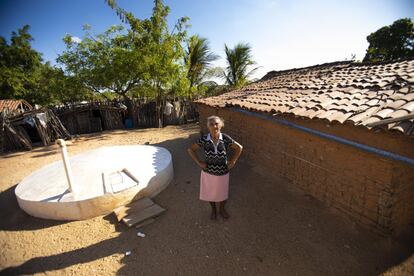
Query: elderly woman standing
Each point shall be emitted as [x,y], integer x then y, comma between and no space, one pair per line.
[214,180]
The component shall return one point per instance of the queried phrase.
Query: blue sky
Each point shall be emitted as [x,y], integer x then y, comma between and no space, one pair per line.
[283,34]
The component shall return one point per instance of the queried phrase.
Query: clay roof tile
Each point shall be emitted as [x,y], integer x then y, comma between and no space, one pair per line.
[344,92]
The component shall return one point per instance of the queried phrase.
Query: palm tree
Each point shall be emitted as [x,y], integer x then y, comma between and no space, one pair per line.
[238,59]
[198,58]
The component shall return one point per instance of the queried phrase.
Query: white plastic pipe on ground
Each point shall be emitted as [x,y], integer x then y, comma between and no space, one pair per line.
[66,164]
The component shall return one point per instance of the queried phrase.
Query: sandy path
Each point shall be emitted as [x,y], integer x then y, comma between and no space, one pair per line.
[274,229]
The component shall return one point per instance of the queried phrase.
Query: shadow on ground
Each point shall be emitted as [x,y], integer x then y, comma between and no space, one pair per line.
[12,218]
[274,229]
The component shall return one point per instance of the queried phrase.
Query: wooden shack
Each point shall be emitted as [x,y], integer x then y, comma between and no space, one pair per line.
[24,130]
[91,117]
[14,106]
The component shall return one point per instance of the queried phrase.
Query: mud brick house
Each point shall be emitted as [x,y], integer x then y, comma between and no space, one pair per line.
[342,132]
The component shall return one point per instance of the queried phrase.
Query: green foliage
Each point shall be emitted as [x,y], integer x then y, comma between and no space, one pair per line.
[143,91]
[18,65]
[211,88]
[54,87]
[24,76]
[160,69]
[109,61]
[105,96]
[198,59]
[239,61]
[57,87]
[165,51]
[145,55]
[391,42]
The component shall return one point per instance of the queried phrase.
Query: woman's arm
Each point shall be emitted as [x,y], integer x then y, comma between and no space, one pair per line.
[237,152]
[192,151]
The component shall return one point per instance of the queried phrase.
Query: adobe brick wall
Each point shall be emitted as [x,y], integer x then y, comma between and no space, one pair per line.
[374,191]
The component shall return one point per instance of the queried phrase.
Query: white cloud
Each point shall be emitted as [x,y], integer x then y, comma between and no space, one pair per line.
[76,39]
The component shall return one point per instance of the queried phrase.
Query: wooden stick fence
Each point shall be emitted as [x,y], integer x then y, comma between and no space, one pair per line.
[17,132]
[14,129]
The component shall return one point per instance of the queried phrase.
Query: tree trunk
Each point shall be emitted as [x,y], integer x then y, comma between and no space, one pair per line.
[159,111]
[130,109]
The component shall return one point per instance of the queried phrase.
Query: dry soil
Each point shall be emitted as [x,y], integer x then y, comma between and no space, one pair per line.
[274,228]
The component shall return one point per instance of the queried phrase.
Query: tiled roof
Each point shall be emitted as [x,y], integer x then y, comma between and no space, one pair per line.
[344,92]
[13,105]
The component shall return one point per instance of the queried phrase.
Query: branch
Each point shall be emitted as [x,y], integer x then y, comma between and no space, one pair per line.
[130,85]
[96,90]
[91,86]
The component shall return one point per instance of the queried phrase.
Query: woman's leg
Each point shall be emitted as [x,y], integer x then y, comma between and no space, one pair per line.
[213,211]
[223,211]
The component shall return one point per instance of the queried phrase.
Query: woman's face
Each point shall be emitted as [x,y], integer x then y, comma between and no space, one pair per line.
[214,126]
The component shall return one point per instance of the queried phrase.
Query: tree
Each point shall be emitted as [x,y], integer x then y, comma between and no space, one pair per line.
[18,64]
[239,60]
[161,50]
[54,87]
[24,76]
[146,56]
[198,59]
[391,42]
[166,68]
[107,62]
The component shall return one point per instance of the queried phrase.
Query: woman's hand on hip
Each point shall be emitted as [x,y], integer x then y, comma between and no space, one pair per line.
[231,164]
[202,165]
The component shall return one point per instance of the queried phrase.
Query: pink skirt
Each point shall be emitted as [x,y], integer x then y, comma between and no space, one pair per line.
[214,188]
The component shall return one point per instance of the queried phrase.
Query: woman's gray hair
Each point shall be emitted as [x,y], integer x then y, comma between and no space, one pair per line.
[211,118]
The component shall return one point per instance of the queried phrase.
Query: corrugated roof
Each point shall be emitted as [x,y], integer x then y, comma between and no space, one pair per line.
[344,92]
[14,105]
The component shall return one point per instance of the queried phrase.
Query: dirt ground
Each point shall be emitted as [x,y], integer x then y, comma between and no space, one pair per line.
[274,229]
